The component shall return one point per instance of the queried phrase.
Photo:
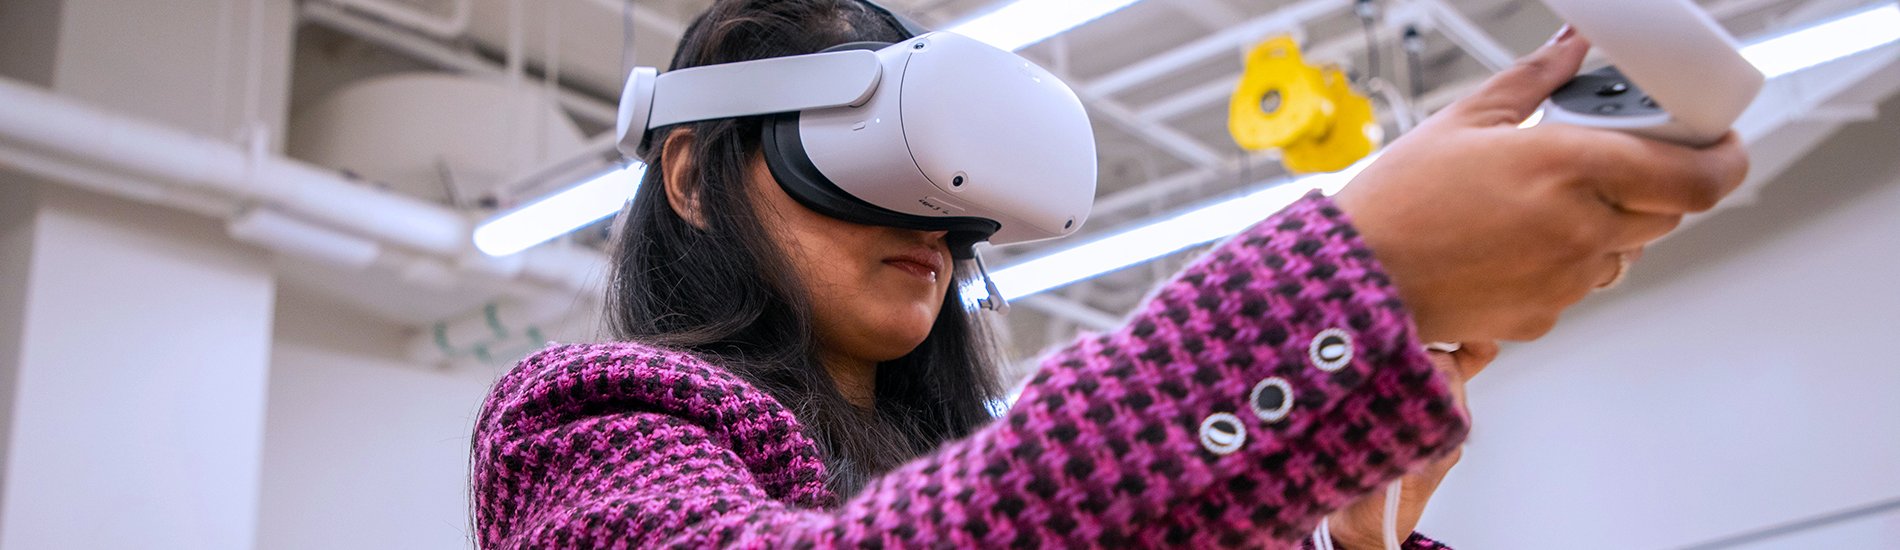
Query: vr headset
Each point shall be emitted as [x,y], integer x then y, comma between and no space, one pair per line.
[939,132]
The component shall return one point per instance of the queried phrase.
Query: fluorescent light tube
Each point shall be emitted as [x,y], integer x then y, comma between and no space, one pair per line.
[1827,41]
[1024,22]
[560,213]
[1163,237]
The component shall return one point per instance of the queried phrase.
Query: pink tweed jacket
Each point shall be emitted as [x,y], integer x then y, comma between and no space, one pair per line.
[1274,381]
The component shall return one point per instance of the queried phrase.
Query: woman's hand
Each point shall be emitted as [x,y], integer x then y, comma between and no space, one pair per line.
[1489,231]
[1361,526]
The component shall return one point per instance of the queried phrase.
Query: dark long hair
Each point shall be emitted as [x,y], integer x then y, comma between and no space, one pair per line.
[726,293]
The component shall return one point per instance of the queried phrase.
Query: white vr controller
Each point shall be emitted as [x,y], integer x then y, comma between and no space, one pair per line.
[1677,75]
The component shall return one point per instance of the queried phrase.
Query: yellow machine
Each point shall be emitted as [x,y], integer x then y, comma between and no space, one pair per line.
[1311,114]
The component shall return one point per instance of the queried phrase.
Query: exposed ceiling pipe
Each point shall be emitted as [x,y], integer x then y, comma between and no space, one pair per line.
[511,327]
[259,226]
[112,183]
[273,201]
[498,332]
[277,231]
[89,135]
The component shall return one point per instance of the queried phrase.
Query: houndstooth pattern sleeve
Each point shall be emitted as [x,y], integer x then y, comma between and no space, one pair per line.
[1272,382]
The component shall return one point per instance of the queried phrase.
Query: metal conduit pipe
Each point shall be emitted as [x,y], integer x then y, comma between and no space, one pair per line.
[275,202]
[40,120]
[259,226]
[499,332]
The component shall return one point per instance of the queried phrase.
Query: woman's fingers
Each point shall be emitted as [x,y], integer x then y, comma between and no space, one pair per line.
[1635,230]
[1523,223]
[1653,177]
[1512,95]
[1473,357]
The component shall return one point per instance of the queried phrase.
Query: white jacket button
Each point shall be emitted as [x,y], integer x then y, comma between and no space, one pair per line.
[1222,433]
[1331,350]
[1271,399]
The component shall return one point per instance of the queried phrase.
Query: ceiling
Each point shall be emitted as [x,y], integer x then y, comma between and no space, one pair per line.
[1155,77]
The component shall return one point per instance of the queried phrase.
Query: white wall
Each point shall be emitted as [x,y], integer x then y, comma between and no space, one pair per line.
[1748,376]
[362,448]
[16,254]
[138,379]
[138,336]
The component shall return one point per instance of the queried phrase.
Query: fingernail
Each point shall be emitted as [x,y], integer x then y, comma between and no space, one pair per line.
[1563,34]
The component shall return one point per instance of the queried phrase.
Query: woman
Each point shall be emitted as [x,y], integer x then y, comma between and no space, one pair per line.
[786,379]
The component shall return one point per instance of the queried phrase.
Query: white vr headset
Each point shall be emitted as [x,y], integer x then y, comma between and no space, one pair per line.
[939,133]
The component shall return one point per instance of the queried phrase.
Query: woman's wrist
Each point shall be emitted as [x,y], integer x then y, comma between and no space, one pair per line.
[1346,537]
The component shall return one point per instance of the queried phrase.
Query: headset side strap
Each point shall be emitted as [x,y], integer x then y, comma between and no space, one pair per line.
[766,86]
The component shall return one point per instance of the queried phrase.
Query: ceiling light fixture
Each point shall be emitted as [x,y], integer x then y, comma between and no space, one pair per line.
[1022,23]
[1162,237]
[560,213]
[1829,40]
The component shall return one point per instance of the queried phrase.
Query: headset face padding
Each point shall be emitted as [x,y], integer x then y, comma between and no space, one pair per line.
[785,156]
[957,130]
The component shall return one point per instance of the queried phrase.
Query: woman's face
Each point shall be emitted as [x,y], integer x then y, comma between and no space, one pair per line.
[875,291]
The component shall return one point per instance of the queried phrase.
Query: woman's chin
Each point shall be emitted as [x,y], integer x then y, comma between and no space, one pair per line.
[906,327]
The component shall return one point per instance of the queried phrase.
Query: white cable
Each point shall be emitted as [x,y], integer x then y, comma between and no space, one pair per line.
[1392,495]
[1402,112]
[1323,536]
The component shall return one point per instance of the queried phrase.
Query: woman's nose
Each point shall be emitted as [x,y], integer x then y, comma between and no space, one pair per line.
[932,237]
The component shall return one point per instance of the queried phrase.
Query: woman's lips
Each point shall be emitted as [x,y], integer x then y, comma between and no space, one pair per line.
[923,263]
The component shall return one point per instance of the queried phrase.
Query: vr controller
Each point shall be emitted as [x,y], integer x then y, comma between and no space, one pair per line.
[1677,75]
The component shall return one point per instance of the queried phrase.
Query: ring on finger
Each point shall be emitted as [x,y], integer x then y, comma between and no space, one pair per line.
[1623,261]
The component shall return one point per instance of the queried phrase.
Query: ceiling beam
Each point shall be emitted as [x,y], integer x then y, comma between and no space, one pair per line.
[1227,41]
[1213,14]
[1156,133]
[1466,34]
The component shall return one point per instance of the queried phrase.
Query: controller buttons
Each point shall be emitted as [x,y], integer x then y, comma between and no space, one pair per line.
[1613,89]
[1609,108]
[1650,102]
